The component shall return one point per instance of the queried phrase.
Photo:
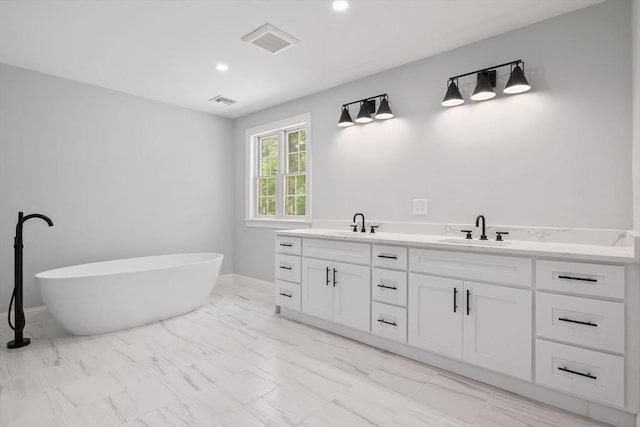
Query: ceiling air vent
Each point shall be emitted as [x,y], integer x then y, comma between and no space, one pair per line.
[222,100]
[270,38]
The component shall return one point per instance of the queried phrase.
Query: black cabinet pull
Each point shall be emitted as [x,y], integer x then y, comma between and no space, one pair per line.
[468,304]
[387,256]
[582,374]
[288,245]
[455,300]
[334,277]
[566,319]
[327,276]
[387,287]
[388,323]
[284,267]
[581,279]
[285,295]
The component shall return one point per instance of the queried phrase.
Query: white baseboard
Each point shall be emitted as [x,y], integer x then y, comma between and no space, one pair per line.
[35,314]
[239,279]
[225,279]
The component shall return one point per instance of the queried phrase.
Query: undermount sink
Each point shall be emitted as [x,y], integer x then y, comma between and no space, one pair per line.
[348,233]
[474,242]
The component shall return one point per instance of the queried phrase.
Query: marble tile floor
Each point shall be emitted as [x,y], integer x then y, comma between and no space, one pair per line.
[234,363]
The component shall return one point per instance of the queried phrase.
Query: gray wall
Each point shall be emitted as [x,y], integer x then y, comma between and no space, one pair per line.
[556,156]
[119,175]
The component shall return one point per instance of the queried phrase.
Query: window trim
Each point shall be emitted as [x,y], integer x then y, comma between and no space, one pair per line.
[251,174]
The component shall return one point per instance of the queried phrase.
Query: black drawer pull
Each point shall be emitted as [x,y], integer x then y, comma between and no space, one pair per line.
[581,279]
[387,287]
[288,245]
[579,322]
[285,295]
[327,276]
[387,256]
[284,267]
[388,323]
[334,277]
[582,374]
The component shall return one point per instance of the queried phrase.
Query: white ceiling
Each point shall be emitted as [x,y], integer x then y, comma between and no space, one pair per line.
[167,50]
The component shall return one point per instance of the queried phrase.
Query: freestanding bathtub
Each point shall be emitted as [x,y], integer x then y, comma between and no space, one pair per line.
[108,296]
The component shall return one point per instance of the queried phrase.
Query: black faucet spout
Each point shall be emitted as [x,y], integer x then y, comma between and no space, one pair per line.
[39,216]
[22,218]
[363,229]
[483,236]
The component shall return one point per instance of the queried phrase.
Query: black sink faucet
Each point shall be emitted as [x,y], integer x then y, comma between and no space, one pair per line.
[363,229]
[483,236]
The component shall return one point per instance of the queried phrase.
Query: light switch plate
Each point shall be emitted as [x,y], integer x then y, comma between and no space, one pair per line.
[420,206]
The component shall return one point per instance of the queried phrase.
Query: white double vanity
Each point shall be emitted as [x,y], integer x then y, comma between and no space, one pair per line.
[554,322]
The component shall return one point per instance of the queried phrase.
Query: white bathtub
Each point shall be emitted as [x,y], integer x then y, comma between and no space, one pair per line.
[108,296]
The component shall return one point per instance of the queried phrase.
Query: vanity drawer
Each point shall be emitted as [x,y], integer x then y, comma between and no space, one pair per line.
[288,268]
[590,374]
[588,322]
[581,278]
[477,267]
[389,286]
[390,257]
[288,245]
[287,295]
[389,321]
[355,253]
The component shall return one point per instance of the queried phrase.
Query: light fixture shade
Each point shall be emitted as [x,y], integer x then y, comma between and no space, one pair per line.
[517,82]
[384,111]
[345,118]
[364,116]
[483,90]
[453,96]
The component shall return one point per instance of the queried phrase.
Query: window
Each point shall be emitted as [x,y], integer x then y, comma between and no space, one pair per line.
[268,161]
[279,176]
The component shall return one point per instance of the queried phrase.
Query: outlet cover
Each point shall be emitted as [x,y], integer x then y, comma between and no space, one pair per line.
[420,206]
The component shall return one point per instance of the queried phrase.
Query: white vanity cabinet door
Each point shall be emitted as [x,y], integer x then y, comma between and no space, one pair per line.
[394,257]
[389,321]
[434,324]
[584,321]
[498,328]
[288,268]
[596,280]
[591,374]
[287,295]
[288,245]
[352,295]
[389,286]
[317,289]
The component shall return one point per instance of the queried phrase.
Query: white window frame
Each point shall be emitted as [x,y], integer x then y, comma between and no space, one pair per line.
[252,136]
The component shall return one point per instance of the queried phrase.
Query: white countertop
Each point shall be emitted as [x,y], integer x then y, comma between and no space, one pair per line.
[573,251]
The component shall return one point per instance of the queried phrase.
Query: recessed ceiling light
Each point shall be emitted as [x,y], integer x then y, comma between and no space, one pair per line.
[340,5]
[222,67]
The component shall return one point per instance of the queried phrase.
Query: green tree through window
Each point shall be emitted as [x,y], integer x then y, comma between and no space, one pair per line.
[296,178]
[267,179]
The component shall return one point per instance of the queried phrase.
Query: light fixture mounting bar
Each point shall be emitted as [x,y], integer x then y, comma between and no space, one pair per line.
[371,98]
[517,61]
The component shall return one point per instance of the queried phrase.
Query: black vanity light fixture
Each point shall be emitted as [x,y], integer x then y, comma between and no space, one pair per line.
[486,81]
[367,111]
